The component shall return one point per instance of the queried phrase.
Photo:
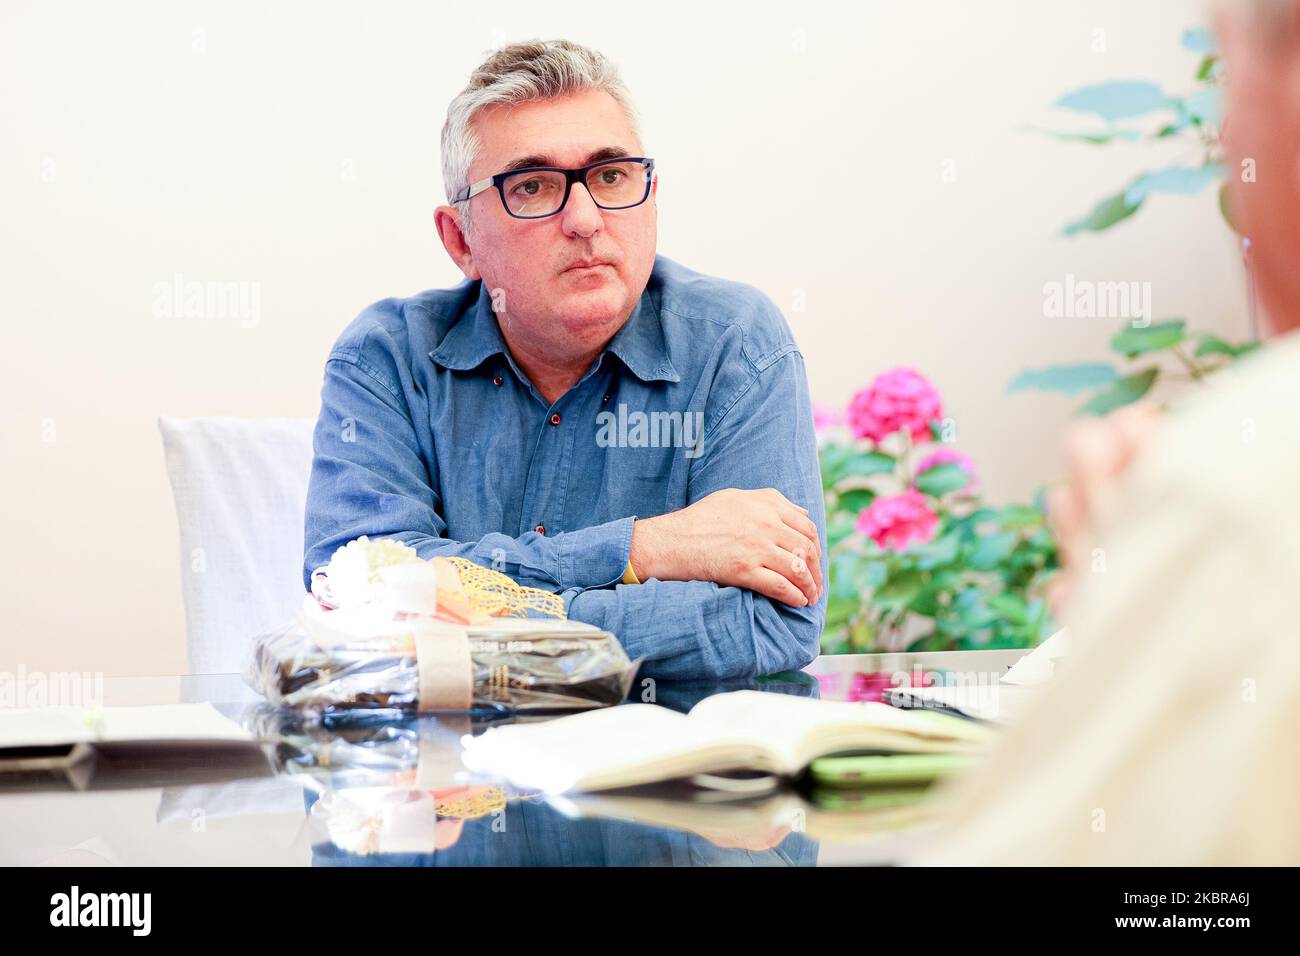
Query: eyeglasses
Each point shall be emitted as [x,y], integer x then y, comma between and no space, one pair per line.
[541,191]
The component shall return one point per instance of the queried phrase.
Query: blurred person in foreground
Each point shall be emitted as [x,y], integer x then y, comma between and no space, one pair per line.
[1170,735]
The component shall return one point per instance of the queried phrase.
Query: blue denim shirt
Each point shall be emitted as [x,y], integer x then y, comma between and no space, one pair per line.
[429,433]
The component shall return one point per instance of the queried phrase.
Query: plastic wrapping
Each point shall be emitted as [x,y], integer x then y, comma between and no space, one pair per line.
[515,664]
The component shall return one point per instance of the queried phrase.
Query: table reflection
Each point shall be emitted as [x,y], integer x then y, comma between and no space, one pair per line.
[380,789]
[418,815]
[483,826]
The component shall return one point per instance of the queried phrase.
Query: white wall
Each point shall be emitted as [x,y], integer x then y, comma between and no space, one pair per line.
[295,147]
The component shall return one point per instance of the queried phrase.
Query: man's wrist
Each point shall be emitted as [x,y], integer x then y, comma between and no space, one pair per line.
[644,554]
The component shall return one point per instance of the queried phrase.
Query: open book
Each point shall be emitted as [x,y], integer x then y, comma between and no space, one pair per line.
[634,744]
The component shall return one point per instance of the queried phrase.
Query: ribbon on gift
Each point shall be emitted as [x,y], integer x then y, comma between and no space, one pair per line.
[446,670]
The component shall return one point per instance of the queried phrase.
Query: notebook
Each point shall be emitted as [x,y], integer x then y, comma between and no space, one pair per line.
[44,738]
[747,730]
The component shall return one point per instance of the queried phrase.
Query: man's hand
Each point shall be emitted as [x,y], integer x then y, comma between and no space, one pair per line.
[751,539]
[1098,454]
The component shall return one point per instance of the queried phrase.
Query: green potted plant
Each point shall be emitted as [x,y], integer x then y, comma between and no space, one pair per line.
[917,560]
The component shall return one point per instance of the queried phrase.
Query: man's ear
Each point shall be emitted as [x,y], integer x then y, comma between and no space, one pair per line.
[452,233]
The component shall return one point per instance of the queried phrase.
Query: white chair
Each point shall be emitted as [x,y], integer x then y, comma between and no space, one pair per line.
[240,486]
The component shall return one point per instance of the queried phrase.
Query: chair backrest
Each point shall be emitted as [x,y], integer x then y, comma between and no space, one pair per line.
[240,486]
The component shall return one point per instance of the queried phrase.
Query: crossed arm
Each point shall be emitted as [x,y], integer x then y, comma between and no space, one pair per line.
[697,621]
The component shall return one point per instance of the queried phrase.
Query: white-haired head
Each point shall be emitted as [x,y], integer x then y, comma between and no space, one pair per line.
[519,73]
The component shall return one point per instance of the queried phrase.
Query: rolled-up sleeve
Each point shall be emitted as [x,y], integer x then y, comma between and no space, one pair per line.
[698,629]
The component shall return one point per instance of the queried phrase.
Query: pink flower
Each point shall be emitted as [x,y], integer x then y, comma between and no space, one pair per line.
[868,686]
[898,400]
[827,416]
[950,456]
[894,523]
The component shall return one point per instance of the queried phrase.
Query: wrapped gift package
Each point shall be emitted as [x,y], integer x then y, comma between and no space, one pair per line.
[432,666]
[383,630]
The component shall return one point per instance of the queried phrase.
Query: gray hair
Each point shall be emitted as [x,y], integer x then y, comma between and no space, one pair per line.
[519,73]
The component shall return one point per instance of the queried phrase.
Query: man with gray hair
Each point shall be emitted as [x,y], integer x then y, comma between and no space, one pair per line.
[479,421]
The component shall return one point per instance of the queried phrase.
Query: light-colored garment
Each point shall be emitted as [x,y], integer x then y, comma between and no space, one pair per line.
[1170,734]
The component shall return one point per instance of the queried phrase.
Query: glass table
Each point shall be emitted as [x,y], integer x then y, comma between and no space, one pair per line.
[393,792]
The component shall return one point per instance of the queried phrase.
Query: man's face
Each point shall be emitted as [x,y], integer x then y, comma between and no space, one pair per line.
[1262,136]
[550,299]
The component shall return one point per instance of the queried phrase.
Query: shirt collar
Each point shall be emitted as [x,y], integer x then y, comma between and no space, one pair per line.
[639,343]
[472,338]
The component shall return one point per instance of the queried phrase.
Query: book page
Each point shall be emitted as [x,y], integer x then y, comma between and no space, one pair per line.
[620,746]
[802,728]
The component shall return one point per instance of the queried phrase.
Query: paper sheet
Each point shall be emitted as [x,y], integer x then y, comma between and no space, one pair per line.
[1038,665]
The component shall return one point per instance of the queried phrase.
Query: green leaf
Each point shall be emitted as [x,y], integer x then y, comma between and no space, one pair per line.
[1116,99]
[1038,620]
[1199,40]
[1213,345]
[899,591]
[1104,215]
[866,463]
[1225,207]
[1010,607]
[845,461]
[1180,180]
[1015,517]
[839,526]
[991,549]
[1205,106]
[938,552]
[941,479]
[1132,341]
[844,573]
[1205,72]
[853,500]
[874,574]
[1096,139]
[839,610]
[974,613]
[1125,391]
[927,602]
[930,642]
[1069,379]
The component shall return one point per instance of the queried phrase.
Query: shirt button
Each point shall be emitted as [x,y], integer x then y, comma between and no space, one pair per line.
[555,419]
[540,529]
[497,380]
[605,399]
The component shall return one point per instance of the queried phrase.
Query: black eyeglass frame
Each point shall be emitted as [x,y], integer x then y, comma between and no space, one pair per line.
[571,176]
